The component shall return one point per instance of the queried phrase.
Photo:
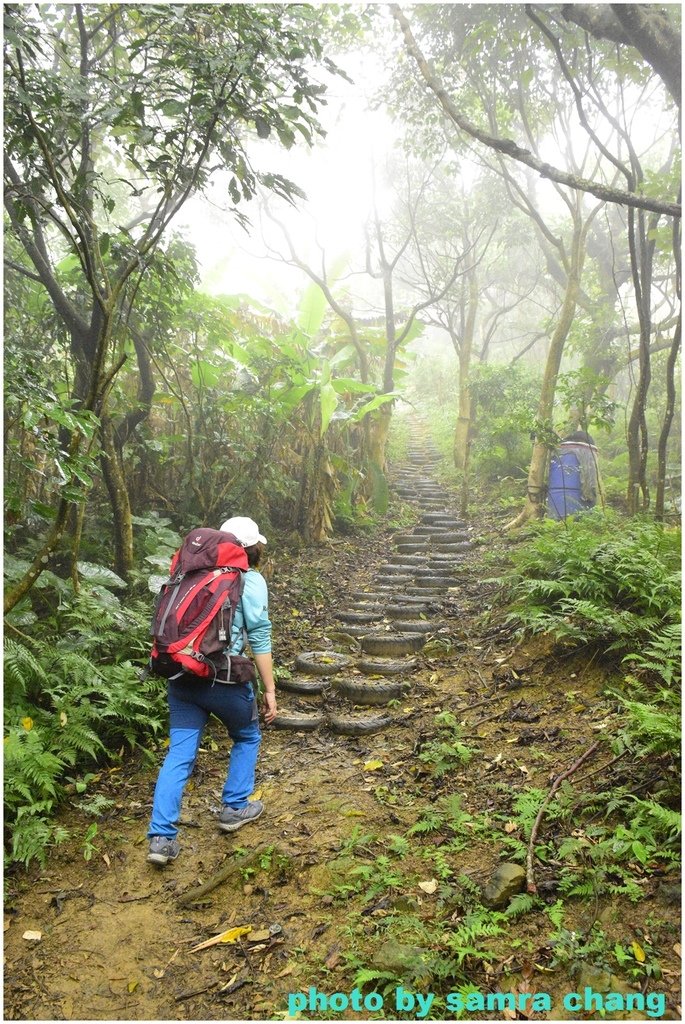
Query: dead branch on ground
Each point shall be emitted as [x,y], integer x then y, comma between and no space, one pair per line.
[530,871]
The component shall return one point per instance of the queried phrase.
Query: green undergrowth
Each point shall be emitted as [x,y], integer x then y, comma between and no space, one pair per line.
[75,695]
[609,585]
[415,914]
[600,579]
[70,703]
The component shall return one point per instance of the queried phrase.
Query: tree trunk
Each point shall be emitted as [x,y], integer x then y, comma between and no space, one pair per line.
[77,530]
[537,472]
[313,516]
[670,382]
[465,484]
[115,481]
[379,428]
[666,426]
[641,257]
[462,433]
[41,559]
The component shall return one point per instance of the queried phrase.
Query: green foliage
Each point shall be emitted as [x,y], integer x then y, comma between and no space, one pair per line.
[72,697]
[215,76]
[23,672]
[584,395]
[357,840]
[89,847]
[612,583]
[446,814]
[506,399]
[660,656]
[398,845]
[465,940]
[376,878]
[654,727]
[446,751]
[597,578]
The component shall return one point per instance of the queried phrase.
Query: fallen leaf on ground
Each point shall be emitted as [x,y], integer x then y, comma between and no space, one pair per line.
[132,986]
[678,949]
[232,935]
[32,936]
[429,887]
[638,951]
[510,826]
[371,766]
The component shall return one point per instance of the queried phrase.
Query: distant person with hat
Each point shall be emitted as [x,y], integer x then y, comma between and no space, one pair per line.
[193,699]
[574,480]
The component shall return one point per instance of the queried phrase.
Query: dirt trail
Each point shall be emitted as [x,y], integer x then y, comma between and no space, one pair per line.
[116,940]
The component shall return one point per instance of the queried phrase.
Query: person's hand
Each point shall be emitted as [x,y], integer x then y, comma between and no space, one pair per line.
[270,709]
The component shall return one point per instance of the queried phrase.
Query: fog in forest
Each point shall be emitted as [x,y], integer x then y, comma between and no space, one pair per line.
[382,303]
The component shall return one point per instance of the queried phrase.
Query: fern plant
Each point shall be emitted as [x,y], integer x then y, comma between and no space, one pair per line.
[604,580]
[23,673]
[446,751]
[465,940]
[72,696]
[654,727]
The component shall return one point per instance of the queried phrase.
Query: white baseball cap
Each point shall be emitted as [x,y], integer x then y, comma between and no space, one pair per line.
[244,530]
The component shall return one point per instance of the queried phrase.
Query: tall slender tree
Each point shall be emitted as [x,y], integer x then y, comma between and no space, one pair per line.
[114,116]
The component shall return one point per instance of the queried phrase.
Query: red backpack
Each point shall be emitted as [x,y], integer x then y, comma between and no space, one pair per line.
[195,609]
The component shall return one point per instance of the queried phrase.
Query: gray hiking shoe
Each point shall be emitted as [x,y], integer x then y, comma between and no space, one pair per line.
[162,850]
[230,819]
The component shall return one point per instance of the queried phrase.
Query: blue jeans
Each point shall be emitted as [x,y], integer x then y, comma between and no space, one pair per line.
[190,705]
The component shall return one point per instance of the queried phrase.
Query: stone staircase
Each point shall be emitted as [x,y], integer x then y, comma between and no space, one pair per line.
[391,620]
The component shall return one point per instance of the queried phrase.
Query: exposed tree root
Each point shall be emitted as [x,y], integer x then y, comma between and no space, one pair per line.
[221,876]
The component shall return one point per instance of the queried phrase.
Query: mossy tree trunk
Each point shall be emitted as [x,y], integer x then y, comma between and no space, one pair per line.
[534,507]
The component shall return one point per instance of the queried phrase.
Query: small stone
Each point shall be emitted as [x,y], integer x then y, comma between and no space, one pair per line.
[610,915]
[506,882]
[670,893]
[594,978]
[404,905]
[398,958]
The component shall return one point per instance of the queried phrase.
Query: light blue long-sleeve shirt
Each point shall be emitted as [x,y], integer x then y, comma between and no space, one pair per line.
[252,615]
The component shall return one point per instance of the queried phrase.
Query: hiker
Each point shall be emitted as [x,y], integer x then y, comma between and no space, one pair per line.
[574,481]
[192,699]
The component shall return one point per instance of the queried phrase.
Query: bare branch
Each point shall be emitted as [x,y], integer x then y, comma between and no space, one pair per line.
[508,147]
